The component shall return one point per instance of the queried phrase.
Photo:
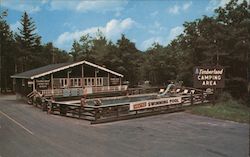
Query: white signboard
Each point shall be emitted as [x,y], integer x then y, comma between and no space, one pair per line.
[43,84]
[30,82]
[154,103]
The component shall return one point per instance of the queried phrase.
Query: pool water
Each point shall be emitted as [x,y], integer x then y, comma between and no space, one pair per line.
[123,100]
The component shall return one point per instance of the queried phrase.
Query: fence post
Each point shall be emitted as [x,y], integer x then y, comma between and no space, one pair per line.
[63,109]
[80,112]
[117,111]
[97,114]
[214,96]
[202,97]
[50,107]
[191,97]
[44,104]
[181,104]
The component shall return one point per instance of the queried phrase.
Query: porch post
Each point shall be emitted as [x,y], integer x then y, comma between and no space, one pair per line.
[68,81]
[34,85]
[95,77]
[108,81]
[120,83]
[14,84]
[52,84]
[83,82]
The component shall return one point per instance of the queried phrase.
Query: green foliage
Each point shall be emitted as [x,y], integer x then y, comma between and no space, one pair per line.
[6,52]
[130,59]
[27,37]
[123,57]
[27,42]
[222,39]
[225,97]
[230,110]
[24,51]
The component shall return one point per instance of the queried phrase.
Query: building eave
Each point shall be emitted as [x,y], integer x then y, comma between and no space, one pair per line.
[66,67]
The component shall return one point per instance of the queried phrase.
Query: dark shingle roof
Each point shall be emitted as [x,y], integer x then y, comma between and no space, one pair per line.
[28,74]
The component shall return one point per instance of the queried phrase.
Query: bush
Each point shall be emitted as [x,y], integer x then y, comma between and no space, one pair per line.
[226,98]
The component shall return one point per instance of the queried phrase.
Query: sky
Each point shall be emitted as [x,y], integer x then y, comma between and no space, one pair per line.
[142,21]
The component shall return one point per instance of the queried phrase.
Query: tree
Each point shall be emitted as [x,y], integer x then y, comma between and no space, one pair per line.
[6,53]
[100,49]
[28,41]
[82,50]
[75,50]
[51,55]
[221,39]
[130,58]
[160,64]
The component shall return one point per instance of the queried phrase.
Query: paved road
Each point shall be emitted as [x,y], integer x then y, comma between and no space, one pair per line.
[26,131]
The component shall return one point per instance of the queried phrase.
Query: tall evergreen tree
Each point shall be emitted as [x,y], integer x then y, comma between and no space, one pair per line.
[131,59]
[75,50]
[101,49]
[28,41]
[6,53]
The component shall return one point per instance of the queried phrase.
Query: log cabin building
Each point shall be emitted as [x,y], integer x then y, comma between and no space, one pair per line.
[68,79]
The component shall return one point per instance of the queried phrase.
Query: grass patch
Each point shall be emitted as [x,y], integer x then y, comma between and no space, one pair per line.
[227,110]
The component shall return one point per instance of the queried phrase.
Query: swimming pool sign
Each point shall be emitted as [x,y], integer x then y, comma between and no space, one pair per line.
[139,105]
[209,77]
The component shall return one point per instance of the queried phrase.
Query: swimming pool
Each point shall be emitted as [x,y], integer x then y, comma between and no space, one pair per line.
[124,99]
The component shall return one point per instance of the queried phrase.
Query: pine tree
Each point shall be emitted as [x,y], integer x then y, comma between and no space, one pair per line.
[28,41]
[6,53]
[131,59]
[27,36]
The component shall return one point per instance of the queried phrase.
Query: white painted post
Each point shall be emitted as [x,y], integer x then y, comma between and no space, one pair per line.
[83,82]
[34,85]
[95,77]
[108,81]
[120,83]
[68,81]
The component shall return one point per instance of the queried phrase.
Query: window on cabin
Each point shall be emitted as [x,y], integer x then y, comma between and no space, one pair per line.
[99,81]
[63,82]
[85,82]
[89,82]
[75,82]
[79,82]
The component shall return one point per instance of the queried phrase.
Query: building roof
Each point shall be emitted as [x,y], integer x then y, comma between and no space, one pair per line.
[52,68]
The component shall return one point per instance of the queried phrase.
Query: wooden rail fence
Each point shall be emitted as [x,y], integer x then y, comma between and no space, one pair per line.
[114,112]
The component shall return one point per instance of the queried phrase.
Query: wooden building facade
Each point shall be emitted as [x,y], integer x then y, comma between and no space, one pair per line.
[68,79]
